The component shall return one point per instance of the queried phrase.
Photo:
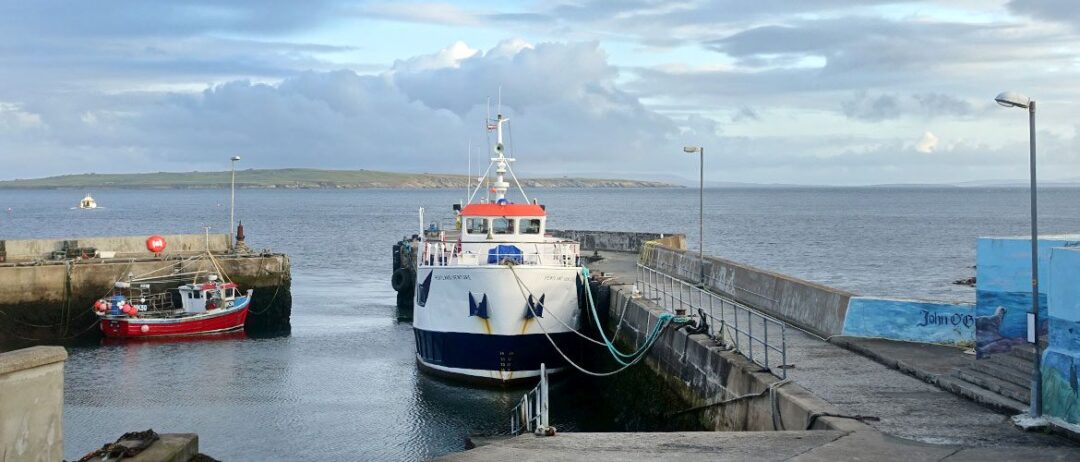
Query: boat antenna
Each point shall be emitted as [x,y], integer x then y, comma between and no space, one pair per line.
[499,111]
[468,172]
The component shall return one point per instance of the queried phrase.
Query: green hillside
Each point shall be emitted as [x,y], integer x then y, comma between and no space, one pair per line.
[300,178]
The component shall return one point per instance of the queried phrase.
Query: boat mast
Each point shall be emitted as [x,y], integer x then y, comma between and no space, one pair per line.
[501,161]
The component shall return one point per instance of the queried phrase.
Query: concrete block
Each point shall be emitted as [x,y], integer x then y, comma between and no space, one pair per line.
[31,404]
[171,447]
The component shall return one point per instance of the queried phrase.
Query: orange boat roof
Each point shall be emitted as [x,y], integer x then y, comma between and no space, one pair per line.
[506,210]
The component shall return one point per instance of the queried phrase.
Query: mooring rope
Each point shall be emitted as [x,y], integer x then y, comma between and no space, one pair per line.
[664,322]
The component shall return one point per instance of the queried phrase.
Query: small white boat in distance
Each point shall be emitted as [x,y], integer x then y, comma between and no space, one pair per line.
[88,202]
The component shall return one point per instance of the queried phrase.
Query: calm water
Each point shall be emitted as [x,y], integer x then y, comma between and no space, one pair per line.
[343,385]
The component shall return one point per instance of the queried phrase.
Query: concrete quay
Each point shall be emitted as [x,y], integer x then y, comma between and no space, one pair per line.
[821,445]
[851,384]
[836,403]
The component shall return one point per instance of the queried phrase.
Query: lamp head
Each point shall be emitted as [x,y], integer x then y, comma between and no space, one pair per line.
[235,158]
[691,149]
[1013,99]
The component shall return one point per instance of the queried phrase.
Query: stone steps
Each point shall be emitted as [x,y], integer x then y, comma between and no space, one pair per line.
[981,395]
[1007,372]
[1001,381]
[1024,352]
[993,384]
[1010,361]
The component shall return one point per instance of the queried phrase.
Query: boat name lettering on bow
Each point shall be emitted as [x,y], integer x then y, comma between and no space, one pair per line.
[451,277]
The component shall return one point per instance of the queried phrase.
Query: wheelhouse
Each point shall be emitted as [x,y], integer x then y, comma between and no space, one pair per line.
[197,298]
[503,222]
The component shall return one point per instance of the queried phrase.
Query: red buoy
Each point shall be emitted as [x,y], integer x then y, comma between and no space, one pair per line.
[155,243]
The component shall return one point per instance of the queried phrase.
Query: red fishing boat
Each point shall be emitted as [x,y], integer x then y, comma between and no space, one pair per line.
[136,310]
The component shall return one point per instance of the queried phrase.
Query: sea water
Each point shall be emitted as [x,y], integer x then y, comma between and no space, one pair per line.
[343,384]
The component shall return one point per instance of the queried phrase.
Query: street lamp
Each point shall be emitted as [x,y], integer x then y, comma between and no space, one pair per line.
[701,210]
[232,199]
[1011,99]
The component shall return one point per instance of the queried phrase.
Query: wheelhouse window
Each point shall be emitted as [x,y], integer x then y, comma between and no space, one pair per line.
[530,226]
[502,225]
[477,225]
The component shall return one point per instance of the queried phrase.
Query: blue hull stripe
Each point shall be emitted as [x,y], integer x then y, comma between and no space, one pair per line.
[493,352]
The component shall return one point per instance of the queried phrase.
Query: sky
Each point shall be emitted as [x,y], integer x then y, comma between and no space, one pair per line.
[828,92]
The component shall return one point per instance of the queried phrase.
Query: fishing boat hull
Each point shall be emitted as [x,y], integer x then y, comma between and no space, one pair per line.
[474,323]
[225,320]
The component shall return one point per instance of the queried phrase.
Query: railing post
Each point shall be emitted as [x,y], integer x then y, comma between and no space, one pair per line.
[750,335]
[766,335]
[544,404]
[682,307]
[735,316]
[528,412]
[712,317]
[783,349]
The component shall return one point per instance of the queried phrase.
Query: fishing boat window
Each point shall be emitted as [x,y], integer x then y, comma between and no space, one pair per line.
[502,226]
[530,226]
[477,225]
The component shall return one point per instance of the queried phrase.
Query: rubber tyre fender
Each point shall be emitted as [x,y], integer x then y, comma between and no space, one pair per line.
[400,279]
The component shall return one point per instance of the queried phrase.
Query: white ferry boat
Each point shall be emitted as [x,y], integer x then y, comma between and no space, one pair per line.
[491,299]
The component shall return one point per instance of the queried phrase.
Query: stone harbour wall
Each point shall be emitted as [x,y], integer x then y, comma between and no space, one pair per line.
[618,241]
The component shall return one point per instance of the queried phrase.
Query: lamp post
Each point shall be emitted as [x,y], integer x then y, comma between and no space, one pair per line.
[232,199]
[1011,99]
[701,210]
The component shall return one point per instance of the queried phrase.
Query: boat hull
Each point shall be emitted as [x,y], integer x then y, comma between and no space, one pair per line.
[209,323]
[474,323]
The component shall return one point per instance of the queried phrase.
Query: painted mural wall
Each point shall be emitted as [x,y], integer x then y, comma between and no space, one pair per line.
[911,320]
[1003,289]
[1061,359]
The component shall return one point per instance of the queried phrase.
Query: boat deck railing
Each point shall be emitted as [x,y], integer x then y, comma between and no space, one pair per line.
[445,253]
[757,336]
[531,413]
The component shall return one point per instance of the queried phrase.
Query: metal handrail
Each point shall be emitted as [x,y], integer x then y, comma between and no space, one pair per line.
[438,254]
[729,322]
[531,413]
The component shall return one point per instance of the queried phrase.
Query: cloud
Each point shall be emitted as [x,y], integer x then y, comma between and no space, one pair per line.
[927,143]
[530,76]
[14,119]
[938,104]
[745,113]
[434,13]
[565,107]
[449,57]
[590,85]
[863,106]
[1065,11]
[871,108]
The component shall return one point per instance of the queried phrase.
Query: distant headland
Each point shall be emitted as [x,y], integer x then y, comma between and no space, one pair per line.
[298,178]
